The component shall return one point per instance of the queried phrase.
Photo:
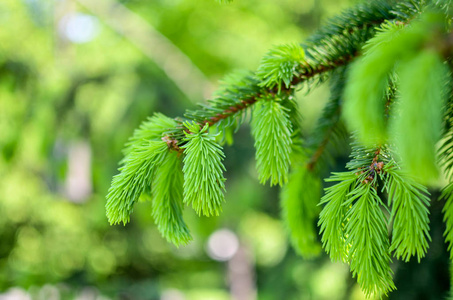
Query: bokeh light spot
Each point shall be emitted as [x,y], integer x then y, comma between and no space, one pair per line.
[79,28]
[222,245]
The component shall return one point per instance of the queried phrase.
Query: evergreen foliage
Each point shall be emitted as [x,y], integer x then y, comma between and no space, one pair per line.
[364,96]
[271,130]
[279,65]
[334,212]
[150,130]
[409,213]
[167,196]
[367,240]
[386,62]
[143,153]
[299,205]
[353,212]
[203,171]
[447,194]
[134,179]
[423,77]
[330,133]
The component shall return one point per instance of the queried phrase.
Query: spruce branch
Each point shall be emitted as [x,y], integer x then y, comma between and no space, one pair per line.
[331,218]
[167,199]
[272,129]
[334,46]
[367,14]
[203,171]
[279,65]
[249,92]
[143,154]
[153,129]
[353,226]
[363,167]
[410,202]
[366,232]
[134,179]
[236,99]
[366,108]
[236,93]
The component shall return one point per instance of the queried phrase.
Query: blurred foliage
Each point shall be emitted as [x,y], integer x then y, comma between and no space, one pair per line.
[67,107]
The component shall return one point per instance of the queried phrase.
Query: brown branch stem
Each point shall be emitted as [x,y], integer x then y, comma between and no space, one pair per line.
[310,72]
[319,151]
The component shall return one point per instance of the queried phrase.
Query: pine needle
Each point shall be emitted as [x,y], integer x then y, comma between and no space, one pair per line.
[410,202]
[203,171]
[134,178]
[299,199]
[167,200]
[332,216]
[279,65]
[271,130]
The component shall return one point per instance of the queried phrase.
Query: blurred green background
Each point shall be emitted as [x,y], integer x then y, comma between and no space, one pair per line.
[76,77]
